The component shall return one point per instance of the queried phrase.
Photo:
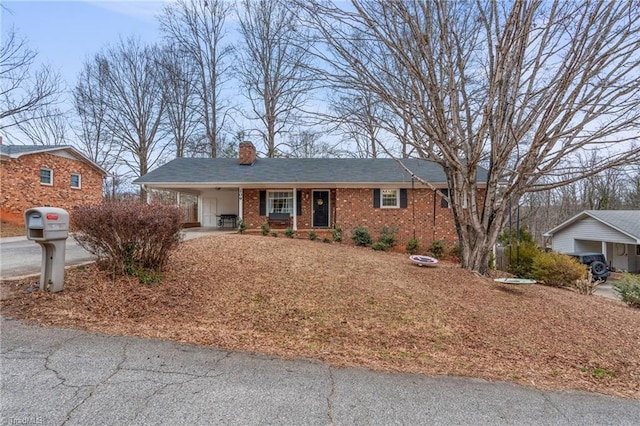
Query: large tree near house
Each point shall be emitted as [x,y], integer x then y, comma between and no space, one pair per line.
[518,87]
[196,31]
[273,67]
[132,102]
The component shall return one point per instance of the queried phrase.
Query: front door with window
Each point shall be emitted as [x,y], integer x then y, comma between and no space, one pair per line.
[320,209]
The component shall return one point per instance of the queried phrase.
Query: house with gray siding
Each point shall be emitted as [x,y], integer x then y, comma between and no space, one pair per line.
[616,233]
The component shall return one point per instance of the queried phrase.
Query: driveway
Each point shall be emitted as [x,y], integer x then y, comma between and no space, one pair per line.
[20,257]
[56,376]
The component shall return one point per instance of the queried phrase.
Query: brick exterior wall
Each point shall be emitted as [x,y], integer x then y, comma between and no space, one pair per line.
[20,186]
[353,207]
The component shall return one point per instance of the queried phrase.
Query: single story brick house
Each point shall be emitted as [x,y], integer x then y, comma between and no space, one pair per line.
[322,192]
[615,233]
[46,175]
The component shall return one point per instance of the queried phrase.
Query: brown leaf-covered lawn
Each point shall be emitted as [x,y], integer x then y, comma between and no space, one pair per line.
[354,306]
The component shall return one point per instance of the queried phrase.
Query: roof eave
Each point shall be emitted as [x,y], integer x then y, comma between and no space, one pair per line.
[284,184]
[585,213]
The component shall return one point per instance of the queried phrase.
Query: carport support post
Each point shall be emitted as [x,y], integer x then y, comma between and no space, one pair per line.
[604,251]
[295,210]
[240,203]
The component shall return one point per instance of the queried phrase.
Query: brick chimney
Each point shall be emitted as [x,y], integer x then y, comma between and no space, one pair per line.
[247,153]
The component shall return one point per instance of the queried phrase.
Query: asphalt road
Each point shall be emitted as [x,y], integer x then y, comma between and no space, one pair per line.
[21,257]
[55,376]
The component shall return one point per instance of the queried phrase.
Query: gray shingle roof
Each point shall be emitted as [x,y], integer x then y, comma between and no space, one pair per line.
[627,221]
[17,150]
[294,170]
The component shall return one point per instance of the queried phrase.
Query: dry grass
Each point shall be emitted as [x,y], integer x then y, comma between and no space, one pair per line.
[353,306]
[11,229]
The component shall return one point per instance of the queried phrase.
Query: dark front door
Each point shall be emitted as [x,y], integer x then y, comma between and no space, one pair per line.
[320,209]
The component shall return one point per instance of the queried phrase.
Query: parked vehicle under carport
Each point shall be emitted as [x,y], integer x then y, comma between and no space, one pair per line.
[596,262]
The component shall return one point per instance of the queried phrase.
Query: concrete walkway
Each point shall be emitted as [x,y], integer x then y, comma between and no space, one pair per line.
[55,376]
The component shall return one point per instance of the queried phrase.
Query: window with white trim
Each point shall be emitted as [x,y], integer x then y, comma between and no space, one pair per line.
[389,198]
[280,202]
[76,180]
[46,176]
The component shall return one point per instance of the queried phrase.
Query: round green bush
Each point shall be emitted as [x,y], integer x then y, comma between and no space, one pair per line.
[557,270]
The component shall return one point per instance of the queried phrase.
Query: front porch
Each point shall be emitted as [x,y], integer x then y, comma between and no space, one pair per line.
[311,209]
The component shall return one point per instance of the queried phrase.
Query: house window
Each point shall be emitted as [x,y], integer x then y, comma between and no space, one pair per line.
[389,198]
[637,250]
[280,202]
[46,176]
[443,201]
[75,180]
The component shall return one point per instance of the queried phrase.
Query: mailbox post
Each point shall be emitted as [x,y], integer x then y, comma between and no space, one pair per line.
[49,227]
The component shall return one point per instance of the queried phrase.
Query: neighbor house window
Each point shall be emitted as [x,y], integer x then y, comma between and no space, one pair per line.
[46,176]
[389,198]
[280,202]
[75,180]
[637,250]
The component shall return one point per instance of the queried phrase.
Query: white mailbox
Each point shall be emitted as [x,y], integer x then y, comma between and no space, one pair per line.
[47,223]
[49,227]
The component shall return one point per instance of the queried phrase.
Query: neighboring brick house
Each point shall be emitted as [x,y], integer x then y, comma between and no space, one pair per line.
[322,192]
[45,175]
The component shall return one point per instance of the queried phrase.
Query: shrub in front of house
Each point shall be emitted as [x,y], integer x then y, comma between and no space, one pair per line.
[413,246]
[289,232]
[388,236]
[264,229]
[242,226]
[436,249]
[455,252]
[336,233]
[361,236]
[313,236]
[379,245]
[130,238]
[557,270]
[520,250]
[628,287]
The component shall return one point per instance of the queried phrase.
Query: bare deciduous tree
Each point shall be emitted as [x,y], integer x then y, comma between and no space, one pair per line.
[177,75]
[44,126]
[358,116]
[518,88]
[197,30]
[309,144]
[25,94]
[133,103]
[274,67]
[90,100]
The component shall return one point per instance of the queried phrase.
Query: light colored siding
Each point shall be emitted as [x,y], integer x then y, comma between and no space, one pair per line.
[590,229]
[562,242]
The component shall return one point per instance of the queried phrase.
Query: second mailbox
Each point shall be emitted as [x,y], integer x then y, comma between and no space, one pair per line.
[47,223]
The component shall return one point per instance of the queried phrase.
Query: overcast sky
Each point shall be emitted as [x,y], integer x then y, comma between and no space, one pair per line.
[66,33]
